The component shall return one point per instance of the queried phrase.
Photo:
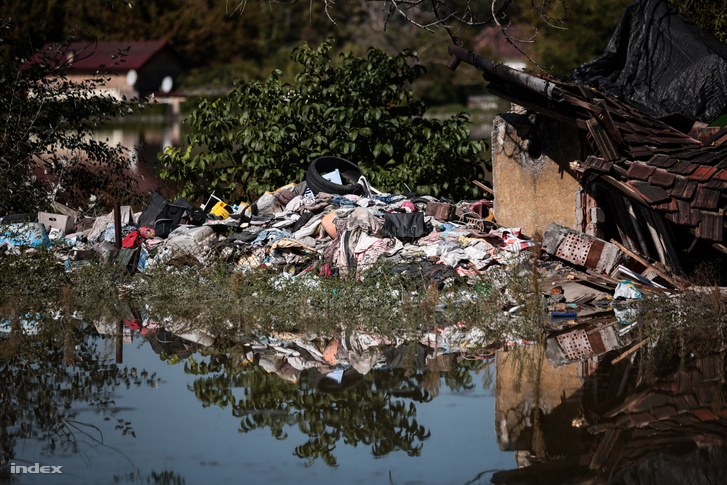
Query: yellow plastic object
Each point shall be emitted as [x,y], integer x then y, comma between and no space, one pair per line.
[220,209]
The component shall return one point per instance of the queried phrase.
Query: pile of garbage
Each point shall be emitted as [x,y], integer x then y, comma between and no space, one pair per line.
[334,222]
[349,226]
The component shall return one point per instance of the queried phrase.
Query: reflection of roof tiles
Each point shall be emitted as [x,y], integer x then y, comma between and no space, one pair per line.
[664,412]
[684,402]
[704,414]
[663,425]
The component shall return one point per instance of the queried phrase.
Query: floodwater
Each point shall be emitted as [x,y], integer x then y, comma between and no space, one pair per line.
[130,403]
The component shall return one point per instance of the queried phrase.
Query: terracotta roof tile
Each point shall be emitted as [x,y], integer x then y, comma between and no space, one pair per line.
[597,163]
[721,175]
[711,226]
[709,157]
[662,160]
[683,167]
[650,193]
[716,184]
[706,198]
[643,152]
[685,215]
[640,171]
[702,173]
[668,206]
[683,188]
[663,178]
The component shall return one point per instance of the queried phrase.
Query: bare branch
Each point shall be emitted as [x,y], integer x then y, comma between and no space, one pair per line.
[512,41]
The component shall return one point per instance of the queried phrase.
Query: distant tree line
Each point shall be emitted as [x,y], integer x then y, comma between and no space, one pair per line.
[223,40]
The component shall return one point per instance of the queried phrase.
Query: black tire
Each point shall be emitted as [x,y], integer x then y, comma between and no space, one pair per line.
[349,173]
[16,218]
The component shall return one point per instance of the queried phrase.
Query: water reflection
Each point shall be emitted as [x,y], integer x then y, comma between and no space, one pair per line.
[599,420]
[41,378]
[145,142]
[613,420]
[332,393]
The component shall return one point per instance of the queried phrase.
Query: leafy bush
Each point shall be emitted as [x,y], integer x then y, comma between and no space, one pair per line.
[47,151]
[264,134]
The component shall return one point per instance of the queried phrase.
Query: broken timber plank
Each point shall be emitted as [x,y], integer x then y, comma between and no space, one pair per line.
[643,261]
[630,351]
[655,236]
[635,224]
[603,141]
[483,187]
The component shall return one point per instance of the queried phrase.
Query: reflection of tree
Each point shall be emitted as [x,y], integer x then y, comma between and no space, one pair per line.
[40,380]
[370,410]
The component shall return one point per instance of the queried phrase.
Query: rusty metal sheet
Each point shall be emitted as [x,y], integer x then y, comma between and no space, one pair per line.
[575,344]
[575,248]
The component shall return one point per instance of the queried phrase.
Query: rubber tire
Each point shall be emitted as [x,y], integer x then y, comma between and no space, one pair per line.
[349,172]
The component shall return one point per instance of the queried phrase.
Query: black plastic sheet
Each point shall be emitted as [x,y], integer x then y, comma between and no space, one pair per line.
[661,63]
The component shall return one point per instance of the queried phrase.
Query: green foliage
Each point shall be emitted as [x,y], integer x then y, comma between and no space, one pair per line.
[47,151]
[708,15]
[573,33]
[264,134]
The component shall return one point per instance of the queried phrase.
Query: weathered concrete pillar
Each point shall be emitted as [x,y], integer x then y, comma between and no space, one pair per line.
[533,184]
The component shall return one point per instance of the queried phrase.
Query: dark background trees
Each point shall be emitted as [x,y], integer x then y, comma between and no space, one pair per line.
[224,40]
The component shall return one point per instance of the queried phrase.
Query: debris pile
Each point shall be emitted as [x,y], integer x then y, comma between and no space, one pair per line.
[301,231]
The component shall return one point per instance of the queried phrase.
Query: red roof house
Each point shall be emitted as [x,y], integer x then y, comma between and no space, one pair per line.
[138,68]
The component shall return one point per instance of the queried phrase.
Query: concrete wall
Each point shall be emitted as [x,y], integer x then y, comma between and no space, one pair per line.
[530,172]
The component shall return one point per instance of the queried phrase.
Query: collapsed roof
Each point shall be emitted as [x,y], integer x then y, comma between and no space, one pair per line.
[659,162]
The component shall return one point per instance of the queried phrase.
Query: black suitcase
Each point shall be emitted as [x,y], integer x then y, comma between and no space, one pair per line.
[163,227]
[152,211]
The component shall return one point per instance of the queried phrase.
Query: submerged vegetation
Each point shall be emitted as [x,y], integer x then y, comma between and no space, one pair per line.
[402,301]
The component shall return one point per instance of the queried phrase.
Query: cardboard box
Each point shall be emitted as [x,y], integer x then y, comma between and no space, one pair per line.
[57,221]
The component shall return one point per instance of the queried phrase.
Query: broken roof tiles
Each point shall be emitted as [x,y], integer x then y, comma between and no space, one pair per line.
[676,169]
[662,160]
[702,173]
[650,193]
[683,167]
[597,163]
[663,178]
[706,198]
[640,171]
[711,226]
[683,188]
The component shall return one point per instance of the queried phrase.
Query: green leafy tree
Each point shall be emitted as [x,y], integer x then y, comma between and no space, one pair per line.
[265,134]
[47,149]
